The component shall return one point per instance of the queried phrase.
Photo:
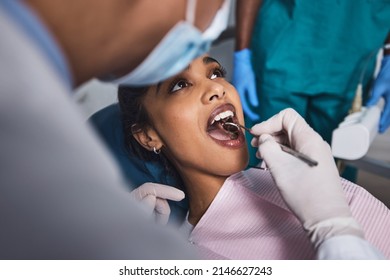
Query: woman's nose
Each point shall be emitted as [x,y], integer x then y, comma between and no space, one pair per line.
[213,91]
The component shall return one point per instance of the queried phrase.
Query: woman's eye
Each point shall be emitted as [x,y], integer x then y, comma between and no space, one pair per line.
[214,76]
[178,86]
[217,73]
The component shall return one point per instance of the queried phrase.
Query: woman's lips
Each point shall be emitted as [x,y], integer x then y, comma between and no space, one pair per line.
[235,143]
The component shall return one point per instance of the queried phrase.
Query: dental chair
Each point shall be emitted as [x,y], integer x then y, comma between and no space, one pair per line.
[108,125]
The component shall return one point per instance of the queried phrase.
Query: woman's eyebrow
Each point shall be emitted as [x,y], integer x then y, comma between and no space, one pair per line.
[162,82]
[209,59]
[158,87]
[206,60]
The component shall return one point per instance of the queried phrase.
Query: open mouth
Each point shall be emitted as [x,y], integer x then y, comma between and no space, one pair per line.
[216,128]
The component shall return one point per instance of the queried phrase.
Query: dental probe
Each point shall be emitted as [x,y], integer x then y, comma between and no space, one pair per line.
[284,148]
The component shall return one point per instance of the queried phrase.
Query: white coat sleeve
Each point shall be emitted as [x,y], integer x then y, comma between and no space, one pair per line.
[348,247]
[62,195]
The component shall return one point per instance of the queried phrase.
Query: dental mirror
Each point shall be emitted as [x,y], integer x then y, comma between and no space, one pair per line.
[233,129]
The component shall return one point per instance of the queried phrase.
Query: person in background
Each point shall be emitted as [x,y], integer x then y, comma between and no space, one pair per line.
[61,193]
[310,56]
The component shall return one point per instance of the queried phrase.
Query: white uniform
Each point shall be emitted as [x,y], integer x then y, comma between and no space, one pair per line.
[62,196]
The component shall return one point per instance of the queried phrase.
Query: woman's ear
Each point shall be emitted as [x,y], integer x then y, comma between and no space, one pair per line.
[148,138]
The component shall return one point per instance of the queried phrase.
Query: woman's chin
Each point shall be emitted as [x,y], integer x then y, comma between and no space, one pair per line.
[236,166]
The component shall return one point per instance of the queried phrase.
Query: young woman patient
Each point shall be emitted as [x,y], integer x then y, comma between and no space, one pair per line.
[233,214]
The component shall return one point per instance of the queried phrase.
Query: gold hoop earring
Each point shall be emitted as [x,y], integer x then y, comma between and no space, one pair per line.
[156,151]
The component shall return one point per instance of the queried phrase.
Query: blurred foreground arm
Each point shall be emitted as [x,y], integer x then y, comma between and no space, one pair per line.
[314,194]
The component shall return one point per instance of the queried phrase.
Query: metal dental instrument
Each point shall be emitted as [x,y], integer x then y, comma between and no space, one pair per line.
[229,125]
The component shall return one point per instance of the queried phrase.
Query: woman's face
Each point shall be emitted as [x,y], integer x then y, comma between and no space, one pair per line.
[184,112]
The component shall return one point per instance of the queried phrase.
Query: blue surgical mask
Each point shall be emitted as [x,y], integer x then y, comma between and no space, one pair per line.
[182,44]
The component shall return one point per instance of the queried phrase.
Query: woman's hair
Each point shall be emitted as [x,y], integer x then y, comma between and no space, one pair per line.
[134,119]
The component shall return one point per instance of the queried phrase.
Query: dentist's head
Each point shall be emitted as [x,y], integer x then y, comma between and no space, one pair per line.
[132,42]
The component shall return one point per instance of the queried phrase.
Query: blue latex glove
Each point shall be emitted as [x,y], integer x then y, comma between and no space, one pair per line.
[382,89]
[244,81]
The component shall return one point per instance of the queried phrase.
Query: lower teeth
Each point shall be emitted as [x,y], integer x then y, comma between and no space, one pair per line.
[231,130]
[233,135]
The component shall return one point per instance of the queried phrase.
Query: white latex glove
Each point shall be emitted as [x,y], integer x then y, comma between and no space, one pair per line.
[154,197]
[314,194]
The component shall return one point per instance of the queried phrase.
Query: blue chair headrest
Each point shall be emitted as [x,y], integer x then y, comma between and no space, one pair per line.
[107,122]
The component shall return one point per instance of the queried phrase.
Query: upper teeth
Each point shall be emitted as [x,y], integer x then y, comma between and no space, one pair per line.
[222,116]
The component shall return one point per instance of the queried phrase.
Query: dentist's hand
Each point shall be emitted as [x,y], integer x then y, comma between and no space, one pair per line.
[154,197]
[244,82]
[382,89]
[314,194]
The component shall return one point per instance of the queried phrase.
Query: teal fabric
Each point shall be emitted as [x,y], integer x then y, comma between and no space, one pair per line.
[323,112]
[108,125]
[309,55]
[317,46]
